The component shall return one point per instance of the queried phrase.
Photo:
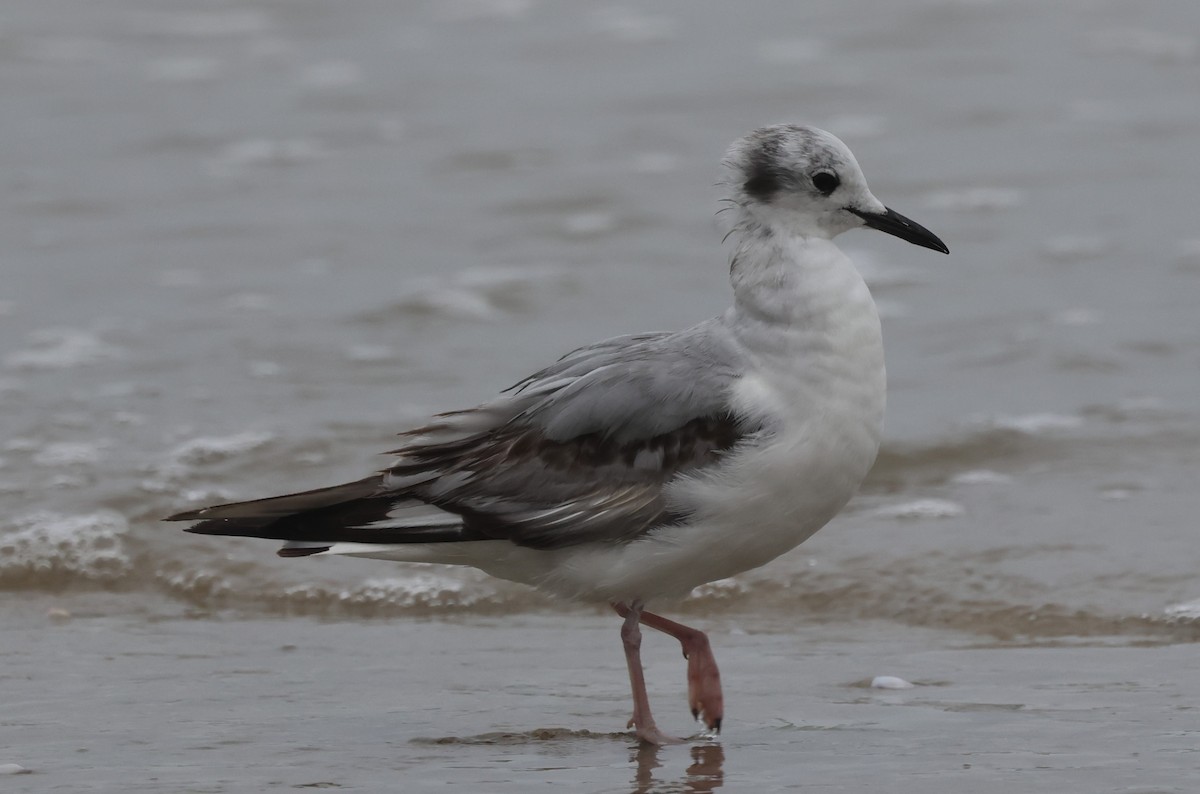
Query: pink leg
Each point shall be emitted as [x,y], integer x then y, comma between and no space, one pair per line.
[704,679]
[631,636]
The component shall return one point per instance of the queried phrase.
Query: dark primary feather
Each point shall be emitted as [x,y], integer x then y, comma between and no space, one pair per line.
[310,516]
[578,452]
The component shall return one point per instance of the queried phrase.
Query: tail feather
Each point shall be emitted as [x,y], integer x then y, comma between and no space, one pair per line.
[361,512]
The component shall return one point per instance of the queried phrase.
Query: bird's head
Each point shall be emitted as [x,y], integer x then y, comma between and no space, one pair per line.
[807,181]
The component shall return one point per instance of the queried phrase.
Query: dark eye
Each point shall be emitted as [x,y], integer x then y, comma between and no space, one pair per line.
[826,182]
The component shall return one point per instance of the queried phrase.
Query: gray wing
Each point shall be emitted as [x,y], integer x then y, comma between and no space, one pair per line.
[588,443]
[578,452]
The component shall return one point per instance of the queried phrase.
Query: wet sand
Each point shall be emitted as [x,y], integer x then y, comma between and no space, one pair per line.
[538,701]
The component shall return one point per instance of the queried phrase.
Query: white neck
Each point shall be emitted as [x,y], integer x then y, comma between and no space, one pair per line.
[804,312]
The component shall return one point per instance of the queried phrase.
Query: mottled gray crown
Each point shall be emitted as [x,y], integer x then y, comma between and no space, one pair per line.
[787,158]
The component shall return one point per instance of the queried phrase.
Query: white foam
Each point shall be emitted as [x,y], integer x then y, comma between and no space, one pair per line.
[981,477]
[890,682]
[1037,424]
[919,509]
[71,453]
[452,302]
[90,546]
[60,348]
[205,496]
[1187,610]
[480,293]
[722,588]
[203,451]
[13,769]
[420,589]
[197,581]
[266,153]
[63,481]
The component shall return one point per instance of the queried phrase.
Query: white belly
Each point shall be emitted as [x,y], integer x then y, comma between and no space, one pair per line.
[763,500]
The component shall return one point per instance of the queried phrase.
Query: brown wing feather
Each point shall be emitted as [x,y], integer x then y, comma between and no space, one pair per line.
[514,483]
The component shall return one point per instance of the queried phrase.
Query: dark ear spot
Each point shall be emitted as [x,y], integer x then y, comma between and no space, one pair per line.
[762,184]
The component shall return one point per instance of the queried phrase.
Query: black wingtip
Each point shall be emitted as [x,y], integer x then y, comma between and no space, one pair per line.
[302,551]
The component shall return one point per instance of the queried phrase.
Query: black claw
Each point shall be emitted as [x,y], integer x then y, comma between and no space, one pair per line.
[695,714]
[717,726]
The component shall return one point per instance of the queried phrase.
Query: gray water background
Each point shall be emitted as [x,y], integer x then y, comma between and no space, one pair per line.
[245,243]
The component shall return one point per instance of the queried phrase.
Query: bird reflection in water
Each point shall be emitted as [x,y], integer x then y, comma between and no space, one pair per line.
[706,772]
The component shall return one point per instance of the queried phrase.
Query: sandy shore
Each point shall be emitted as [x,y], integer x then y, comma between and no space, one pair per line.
[529,703]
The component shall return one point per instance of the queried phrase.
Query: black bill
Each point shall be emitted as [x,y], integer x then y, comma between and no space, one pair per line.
[896,224]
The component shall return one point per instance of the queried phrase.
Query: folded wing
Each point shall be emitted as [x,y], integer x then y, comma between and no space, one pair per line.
[579,452]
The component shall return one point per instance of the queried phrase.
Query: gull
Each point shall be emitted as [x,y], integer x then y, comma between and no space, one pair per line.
[633,470]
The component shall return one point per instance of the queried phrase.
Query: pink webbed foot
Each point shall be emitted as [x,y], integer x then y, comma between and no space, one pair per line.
[704,683]
[704,679]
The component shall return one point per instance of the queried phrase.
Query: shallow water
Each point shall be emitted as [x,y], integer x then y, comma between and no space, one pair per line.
[245,243]
[535,702]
